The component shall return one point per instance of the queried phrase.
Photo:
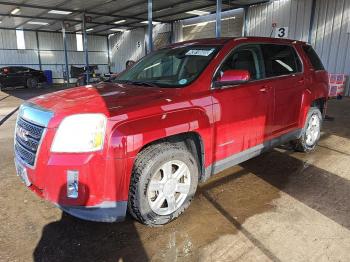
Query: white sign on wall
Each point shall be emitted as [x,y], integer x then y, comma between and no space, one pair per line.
[281,32]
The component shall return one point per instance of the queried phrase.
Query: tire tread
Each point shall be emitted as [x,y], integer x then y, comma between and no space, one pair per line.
[140,163]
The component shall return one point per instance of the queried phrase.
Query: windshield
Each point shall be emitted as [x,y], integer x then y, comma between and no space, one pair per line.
[171,67]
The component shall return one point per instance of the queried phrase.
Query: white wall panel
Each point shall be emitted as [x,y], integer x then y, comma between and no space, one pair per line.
[129,45]
[204,26]
[30,40]
[50,41]
[18,57]
[8,39]
[286,13]
[331,35]
[97,43]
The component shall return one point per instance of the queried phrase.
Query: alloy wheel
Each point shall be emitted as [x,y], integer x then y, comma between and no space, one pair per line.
[169,187]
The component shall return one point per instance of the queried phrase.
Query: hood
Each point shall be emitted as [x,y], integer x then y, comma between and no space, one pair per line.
[108,98]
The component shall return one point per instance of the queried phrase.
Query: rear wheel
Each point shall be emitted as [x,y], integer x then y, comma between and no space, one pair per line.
[32,82]
[164,181]
[311,132]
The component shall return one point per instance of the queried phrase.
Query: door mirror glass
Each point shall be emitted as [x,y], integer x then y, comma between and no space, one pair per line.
[233,77]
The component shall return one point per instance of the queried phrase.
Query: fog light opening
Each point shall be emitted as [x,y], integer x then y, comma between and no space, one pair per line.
[72,183]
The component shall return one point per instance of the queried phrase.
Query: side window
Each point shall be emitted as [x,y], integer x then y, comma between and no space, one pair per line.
[21,69]
[244,58]
[280,60]
[313,57]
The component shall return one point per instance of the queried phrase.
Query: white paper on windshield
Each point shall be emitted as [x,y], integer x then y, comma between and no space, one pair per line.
[199,52]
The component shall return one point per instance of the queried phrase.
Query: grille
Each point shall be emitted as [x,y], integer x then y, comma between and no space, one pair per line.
[27,140]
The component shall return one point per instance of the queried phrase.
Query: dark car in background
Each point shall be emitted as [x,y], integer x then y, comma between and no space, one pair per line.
[11,76]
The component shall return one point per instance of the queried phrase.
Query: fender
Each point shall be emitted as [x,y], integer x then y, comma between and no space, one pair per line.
[312,93]
[128,138]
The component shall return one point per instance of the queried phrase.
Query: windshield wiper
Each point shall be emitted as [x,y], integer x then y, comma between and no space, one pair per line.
[139,83]
[143,83]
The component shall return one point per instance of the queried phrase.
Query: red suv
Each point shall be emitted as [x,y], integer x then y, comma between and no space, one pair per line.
[178,116]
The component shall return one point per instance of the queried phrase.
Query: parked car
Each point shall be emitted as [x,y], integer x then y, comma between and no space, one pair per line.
[11,76]
[80,74]
[177,117]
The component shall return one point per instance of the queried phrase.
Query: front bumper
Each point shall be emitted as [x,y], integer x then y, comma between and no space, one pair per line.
[105,212]
[103,183]
[97,199]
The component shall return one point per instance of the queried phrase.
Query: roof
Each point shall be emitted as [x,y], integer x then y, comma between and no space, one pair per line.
[102,15]
[224,40]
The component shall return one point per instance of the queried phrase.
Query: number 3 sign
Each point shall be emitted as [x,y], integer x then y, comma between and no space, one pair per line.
[281,32]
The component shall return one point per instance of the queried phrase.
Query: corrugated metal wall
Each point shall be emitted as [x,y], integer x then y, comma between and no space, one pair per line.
[294,14]
[9,55]
[129,45]
[331,31]
[204,26]
[52,54]
[331,35]
[230,27]
[51,51]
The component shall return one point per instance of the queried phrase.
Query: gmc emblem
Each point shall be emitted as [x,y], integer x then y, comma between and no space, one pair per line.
[22,133]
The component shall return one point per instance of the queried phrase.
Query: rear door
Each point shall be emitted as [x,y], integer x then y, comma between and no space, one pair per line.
[241,112]
[283,71]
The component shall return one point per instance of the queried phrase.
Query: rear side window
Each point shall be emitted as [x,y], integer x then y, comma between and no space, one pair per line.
[280,60]
[313,57]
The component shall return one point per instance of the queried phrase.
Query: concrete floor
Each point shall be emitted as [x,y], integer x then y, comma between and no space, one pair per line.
[281,206]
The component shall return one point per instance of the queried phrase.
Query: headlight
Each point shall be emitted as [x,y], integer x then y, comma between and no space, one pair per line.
[80,133]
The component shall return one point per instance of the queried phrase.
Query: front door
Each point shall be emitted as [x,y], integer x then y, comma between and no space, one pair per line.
[243,112]
[12,78]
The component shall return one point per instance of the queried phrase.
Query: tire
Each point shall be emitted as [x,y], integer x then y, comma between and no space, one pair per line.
[311,132]
[32,82]
[155,180]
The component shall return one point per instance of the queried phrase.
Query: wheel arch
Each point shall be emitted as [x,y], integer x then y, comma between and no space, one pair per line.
[320,103]
[192,141]
[309,101]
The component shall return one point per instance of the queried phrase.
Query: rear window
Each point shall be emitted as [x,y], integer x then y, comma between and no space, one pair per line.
[313,57]
[280,60]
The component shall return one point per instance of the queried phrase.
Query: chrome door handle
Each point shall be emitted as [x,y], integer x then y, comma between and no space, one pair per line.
[265,89]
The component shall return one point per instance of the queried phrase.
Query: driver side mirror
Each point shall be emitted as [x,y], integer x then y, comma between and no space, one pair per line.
[232,77]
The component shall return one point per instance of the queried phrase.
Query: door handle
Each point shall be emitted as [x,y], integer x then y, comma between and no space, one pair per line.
[265,89]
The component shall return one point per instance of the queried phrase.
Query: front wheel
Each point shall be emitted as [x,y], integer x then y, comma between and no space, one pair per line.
[311,132]
[164,181]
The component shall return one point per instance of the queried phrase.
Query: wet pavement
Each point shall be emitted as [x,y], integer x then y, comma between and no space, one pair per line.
[280,206]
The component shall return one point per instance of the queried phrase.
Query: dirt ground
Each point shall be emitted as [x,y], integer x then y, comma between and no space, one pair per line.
[280,206]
